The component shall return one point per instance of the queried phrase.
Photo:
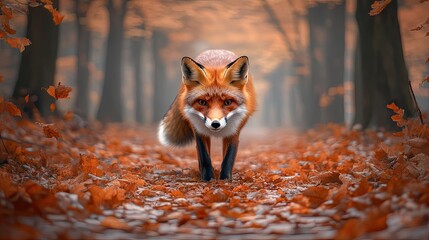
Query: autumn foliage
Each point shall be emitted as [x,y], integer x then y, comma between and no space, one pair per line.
[59,180]
[8,12]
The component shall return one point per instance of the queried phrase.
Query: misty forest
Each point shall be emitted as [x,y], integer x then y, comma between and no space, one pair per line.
[95,94]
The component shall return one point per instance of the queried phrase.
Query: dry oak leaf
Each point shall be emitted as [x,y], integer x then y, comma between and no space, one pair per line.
[7,12]
[56,16]
[12,109]
[50,131]
[351,229]
[113,222]
[316,195]
[90,164]
[19,43]
[378,6]
[58,92]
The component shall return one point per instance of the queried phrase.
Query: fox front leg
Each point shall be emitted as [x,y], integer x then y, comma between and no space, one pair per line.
[204,161]
[230,147]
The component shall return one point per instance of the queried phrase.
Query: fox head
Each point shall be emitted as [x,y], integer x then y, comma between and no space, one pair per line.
[214,97]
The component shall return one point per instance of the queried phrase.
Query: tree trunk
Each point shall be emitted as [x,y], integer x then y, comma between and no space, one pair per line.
[83,56]
[110,109]
[137,50]
[335,50]
[382,77]
[161,101]
[273,104]
[37,67]
[327,45]
[317,83]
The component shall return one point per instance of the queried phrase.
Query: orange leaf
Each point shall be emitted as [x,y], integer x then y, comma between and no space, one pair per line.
[8,12]
[52,107]
[316,195]
[62,91]
[18,43]
[351,229]
[396,117]
[12,109]
[27,98]
[177,193]
[56,16]
[51,91]
[90,164]
[378,6]
[393,107]
[113,222]
[50,131]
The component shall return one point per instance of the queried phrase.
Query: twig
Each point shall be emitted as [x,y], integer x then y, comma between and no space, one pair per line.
[4,145]
[21,142]
[415,102]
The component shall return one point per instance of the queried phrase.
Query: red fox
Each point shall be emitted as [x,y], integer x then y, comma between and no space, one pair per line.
[216,99]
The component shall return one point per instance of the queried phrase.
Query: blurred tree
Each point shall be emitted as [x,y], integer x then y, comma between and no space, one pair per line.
[37,67]
[136,30]
[110,109]
[137,50]
[161,101]
[83,56]
[381,75]
[327,43]
[273,102]
[335,50]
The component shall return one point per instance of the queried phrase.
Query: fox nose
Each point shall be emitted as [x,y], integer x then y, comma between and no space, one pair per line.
[215,124]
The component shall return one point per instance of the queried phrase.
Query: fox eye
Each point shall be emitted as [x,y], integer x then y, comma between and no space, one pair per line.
[202,102]
[227,102]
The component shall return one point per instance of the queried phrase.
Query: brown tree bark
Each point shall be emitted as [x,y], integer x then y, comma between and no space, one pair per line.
[382,76]
[37,67]
[110,109]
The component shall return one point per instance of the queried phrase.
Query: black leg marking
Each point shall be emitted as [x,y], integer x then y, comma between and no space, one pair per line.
[228,162]
[206,168]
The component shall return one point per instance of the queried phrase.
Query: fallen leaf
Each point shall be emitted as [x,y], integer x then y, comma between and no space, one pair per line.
[378,6]
[19,43]
[52,107]
[115,223]
[50,131]
[12,109]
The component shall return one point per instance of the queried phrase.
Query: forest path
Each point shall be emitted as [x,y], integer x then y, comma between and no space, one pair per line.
[117,182]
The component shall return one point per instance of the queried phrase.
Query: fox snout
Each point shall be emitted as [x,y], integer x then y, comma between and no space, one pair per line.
[215,125]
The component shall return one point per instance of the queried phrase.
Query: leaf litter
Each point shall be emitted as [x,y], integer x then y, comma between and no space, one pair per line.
[116,182]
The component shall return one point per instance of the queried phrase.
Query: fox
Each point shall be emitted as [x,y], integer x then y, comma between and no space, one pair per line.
[215,99]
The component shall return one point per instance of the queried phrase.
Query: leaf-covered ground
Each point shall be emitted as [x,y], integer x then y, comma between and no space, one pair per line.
[117,182]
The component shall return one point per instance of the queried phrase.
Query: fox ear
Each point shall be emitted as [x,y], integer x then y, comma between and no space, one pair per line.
[192,72]
[237,71]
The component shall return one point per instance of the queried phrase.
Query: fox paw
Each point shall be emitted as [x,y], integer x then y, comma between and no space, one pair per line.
[207,175]
[225,175]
